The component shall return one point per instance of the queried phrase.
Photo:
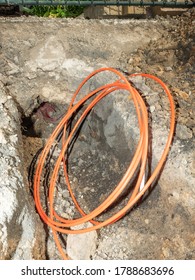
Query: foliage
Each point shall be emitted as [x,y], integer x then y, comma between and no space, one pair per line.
[59,11]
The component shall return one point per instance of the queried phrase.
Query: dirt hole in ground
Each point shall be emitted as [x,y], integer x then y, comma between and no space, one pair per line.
[97,158]
[98,155]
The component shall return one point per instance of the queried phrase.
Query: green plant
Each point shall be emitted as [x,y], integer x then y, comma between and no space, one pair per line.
[59,11]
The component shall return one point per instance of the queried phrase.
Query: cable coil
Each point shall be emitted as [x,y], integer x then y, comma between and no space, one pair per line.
[57,223]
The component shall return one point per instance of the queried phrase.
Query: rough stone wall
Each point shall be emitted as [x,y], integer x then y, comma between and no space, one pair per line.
[20,234]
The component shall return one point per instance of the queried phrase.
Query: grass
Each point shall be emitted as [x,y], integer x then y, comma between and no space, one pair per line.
[59,11]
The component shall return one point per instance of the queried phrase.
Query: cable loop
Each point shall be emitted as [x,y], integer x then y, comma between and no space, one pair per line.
[57,223]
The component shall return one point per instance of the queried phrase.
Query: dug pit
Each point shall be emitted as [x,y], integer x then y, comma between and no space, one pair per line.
[98,156]
[97,159]
[42,71]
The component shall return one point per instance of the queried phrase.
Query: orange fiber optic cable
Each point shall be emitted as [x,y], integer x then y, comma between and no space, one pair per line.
[57,223]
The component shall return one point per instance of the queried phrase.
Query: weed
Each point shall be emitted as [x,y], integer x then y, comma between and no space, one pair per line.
[59,11]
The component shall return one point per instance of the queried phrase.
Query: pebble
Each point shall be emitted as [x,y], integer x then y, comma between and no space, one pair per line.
[69,211]
[169,68]
[65,194]
[183,132]
[152,108]
[82,246]
[2,138]
[3,99]
[66,203]
[80,162]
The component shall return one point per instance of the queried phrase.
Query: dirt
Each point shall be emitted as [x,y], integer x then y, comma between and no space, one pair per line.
[162,226]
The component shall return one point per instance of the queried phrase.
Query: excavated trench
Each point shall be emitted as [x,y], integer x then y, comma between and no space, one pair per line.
[97,158]
[39,75]
[98,155]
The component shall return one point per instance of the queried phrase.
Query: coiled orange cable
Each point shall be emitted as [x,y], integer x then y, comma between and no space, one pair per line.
[59,224]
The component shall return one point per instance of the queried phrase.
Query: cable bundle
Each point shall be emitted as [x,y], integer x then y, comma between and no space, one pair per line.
[59,224]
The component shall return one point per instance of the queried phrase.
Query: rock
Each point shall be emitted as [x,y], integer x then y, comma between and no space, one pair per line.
[181,93]
[51,93]
[152,108]
[46,55]
[80,162]
[164,57]
[21,233]
[81,246]
[183,132]
[76,67]
[168,69]
[12,68]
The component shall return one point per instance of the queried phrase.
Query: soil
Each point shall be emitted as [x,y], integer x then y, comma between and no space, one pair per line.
[162,226]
